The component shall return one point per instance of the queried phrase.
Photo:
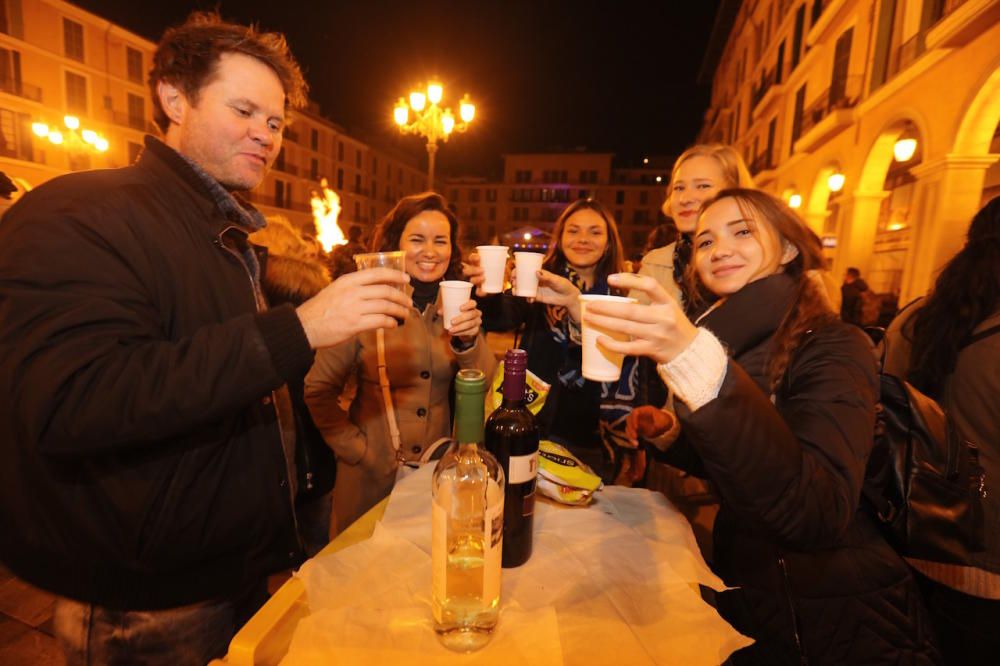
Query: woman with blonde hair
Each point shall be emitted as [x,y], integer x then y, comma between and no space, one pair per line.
[698,175]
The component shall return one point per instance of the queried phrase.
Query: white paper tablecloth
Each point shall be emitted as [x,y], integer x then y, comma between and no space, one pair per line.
[615,582]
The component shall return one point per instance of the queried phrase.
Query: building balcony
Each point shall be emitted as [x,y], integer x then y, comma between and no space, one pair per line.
[758,92]
[134,122]
[962,21]
[830,113]
[762,168]
[718,126]
[822,23]
[905,54]
[290,169]
[775,92]
[21,89]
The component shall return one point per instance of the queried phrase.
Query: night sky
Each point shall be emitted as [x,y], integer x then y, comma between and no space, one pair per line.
[611,76]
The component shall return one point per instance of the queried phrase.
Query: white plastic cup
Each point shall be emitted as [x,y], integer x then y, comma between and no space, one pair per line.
[599,364]
[526,267]
[454,294]
[493,259]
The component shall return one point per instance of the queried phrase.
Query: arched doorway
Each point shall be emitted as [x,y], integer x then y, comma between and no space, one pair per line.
[894,229]
[822,212]
[952,186]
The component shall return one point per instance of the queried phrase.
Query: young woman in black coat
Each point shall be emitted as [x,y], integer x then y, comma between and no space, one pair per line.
[778,411]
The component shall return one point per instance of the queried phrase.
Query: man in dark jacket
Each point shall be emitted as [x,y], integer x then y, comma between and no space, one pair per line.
[146,467]
[851,299]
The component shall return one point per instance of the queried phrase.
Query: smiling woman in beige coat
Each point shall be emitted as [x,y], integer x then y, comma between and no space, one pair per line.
[422,357]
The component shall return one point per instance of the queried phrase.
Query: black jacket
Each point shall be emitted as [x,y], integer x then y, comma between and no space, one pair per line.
[810,567]
[142,463]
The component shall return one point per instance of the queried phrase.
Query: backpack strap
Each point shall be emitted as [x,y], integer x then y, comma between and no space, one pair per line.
[982,335]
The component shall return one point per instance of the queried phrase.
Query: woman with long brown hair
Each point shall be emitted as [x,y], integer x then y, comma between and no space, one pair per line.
[779,412]
[948,346]
[421,359]
[583,250]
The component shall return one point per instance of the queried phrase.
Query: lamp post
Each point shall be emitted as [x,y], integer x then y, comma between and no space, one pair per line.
[431,121]
[72,138]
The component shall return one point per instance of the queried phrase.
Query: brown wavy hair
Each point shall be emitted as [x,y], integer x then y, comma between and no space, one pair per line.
[188,55]
[613,259]
[390,230]
[811,307]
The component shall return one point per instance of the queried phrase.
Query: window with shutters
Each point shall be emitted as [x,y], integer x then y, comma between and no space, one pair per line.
[72,39]
[133,64]
[76,93]
[136,112]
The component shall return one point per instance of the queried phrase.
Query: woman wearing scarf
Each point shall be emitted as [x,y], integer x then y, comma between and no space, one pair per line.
[777,407]
[422,357]
[584,249]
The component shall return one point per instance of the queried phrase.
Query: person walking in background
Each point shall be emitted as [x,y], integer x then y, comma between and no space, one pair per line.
[421,359]
[779,411]
[341,258]
[146,476]
[948,346]
[851,297]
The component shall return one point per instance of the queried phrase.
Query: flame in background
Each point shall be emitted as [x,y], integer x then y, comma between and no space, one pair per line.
[326,210]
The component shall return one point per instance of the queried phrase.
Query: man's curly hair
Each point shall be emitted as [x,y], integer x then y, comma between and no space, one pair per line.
[188,55]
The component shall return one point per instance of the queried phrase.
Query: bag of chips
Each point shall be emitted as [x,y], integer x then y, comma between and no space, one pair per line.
[536,390]
[563,477]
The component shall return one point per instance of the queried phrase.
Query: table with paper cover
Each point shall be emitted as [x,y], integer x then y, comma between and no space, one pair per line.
[612,582]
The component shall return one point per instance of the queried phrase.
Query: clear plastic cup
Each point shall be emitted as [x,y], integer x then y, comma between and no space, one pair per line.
[599,364]
[395,260]
[493,259]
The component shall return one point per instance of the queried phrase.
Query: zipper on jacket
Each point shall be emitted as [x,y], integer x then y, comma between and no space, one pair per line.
[274,403]
[803,660]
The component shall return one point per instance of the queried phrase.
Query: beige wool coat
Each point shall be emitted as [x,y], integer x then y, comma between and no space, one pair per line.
[421,365]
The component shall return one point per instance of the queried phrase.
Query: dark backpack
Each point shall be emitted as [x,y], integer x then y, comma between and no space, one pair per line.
[923,481]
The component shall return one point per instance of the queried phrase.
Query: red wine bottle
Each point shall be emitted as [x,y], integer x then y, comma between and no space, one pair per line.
[512,437]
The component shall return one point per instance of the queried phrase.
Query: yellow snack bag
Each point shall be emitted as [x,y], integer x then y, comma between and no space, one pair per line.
[535,391]
[563,477]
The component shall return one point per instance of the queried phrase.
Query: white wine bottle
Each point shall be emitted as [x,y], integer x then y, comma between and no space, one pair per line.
[467,527]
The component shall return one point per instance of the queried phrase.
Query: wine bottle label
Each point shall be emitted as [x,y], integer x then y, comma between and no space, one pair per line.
[523,468]
[439,551]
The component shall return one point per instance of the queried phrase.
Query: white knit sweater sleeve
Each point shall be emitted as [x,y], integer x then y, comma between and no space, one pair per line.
[696,374]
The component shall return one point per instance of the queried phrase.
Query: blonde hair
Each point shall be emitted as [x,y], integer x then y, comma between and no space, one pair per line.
[734,169]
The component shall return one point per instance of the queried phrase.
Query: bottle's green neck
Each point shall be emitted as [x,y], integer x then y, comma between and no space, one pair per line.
[469,416]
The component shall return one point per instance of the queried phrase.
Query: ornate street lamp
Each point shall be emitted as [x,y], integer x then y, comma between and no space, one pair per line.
[431,121]
[72,138]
